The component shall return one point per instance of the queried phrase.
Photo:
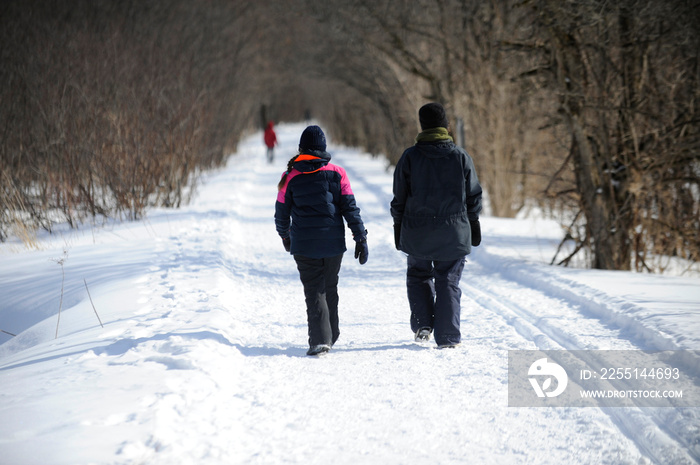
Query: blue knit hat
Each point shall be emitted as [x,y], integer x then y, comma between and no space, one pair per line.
[312,139]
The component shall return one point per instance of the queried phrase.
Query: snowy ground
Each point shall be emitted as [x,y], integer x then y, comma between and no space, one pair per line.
[202,356]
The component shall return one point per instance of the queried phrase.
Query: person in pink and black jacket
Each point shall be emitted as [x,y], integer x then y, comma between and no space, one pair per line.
[313,204]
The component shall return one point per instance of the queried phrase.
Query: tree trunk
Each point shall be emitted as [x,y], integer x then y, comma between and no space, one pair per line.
[608,237]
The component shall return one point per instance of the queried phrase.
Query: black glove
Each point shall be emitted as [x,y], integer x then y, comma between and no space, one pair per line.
[476,232]
[287,243]
[397,235]
[362,251]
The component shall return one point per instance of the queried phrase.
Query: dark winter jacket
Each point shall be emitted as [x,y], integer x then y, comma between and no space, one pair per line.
[436,194]
[311,206]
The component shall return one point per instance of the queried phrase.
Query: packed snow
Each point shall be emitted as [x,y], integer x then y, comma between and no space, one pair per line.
[182,340]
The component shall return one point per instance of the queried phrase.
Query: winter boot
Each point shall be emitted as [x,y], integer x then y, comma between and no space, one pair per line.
[423,334]
[319,349]
[448,346]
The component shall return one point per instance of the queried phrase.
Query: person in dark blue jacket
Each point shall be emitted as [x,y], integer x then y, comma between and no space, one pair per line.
[313,199]
[436,206]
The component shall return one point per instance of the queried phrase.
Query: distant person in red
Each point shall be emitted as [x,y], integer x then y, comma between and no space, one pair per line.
[270,141]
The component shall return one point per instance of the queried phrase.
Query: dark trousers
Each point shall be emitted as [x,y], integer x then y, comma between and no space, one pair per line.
[434,297]
[320,279]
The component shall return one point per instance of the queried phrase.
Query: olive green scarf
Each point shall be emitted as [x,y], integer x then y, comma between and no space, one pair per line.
[434,135]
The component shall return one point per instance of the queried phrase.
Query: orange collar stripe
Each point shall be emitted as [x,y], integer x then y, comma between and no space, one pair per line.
[304,157]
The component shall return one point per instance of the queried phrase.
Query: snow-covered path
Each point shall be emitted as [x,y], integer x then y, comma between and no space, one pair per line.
[202,356]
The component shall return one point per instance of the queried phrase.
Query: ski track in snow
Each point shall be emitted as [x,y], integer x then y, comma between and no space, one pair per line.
[202,357]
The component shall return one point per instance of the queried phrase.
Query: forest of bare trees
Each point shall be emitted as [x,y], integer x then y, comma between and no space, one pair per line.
[587,109]
[109,107]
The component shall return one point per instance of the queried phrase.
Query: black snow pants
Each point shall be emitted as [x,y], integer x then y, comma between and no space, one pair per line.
[434,297]
[320,279]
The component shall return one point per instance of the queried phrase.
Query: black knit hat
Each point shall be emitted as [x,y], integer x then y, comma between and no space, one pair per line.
[432,115]
[312,139]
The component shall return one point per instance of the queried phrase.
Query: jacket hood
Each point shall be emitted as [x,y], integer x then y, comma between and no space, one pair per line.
[438,149]
[435,142]
[311,160]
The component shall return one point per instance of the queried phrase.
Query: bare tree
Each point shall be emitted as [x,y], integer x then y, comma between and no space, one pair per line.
[112,107]
[626,76]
